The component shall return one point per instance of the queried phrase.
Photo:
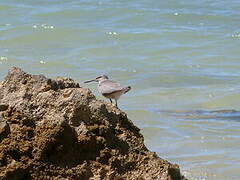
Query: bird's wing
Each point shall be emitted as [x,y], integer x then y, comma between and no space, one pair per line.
[108,86]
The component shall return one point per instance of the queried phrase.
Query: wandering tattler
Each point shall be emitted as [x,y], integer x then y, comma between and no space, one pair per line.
[110,89]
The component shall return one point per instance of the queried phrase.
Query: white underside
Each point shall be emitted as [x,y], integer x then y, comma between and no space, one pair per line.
[115,95]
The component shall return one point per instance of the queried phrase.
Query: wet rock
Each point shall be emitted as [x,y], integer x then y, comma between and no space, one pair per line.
[54,129]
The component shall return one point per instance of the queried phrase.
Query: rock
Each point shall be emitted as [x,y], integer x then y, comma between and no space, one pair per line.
[3,107]
[4,128]
[61,131]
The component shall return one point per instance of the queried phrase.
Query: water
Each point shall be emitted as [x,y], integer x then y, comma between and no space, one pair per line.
[180,57]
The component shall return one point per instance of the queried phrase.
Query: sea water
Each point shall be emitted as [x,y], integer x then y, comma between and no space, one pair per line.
[181,58]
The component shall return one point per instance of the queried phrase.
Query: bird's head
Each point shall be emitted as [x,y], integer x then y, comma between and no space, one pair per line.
[97,79]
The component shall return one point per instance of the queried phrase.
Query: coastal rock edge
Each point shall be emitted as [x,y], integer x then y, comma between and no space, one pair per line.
[54,129]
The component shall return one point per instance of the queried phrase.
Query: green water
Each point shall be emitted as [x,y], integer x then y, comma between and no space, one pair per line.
[180,57]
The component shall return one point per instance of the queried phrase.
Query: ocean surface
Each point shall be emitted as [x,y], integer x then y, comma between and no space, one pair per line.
[182,59]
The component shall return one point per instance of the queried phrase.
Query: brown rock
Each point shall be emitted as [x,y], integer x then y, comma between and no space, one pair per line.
[4,128]
[3,107]
[60,131]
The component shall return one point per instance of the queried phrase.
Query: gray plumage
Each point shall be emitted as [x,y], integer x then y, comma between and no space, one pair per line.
[109,89]
[108,86]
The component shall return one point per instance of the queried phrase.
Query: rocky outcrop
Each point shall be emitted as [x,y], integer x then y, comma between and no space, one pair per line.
[54,129]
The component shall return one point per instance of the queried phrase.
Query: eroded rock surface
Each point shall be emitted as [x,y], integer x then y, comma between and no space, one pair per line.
[54,129]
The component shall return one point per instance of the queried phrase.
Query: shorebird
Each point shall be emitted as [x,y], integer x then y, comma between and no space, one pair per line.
[109,89]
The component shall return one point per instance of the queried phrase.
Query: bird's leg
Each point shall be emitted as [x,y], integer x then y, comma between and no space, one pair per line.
[116,103]
[110,100]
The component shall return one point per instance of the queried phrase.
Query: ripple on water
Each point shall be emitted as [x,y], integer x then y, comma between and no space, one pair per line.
[175,55]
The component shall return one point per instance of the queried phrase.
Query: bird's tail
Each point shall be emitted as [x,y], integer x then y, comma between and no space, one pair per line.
[126,89]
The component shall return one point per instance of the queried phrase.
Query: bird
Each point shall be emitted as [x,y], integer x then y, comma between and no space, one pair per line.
[110,89]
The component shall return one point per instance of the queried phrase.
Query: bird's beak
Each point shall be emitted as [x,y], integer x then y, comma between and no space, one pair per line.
[93,80]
